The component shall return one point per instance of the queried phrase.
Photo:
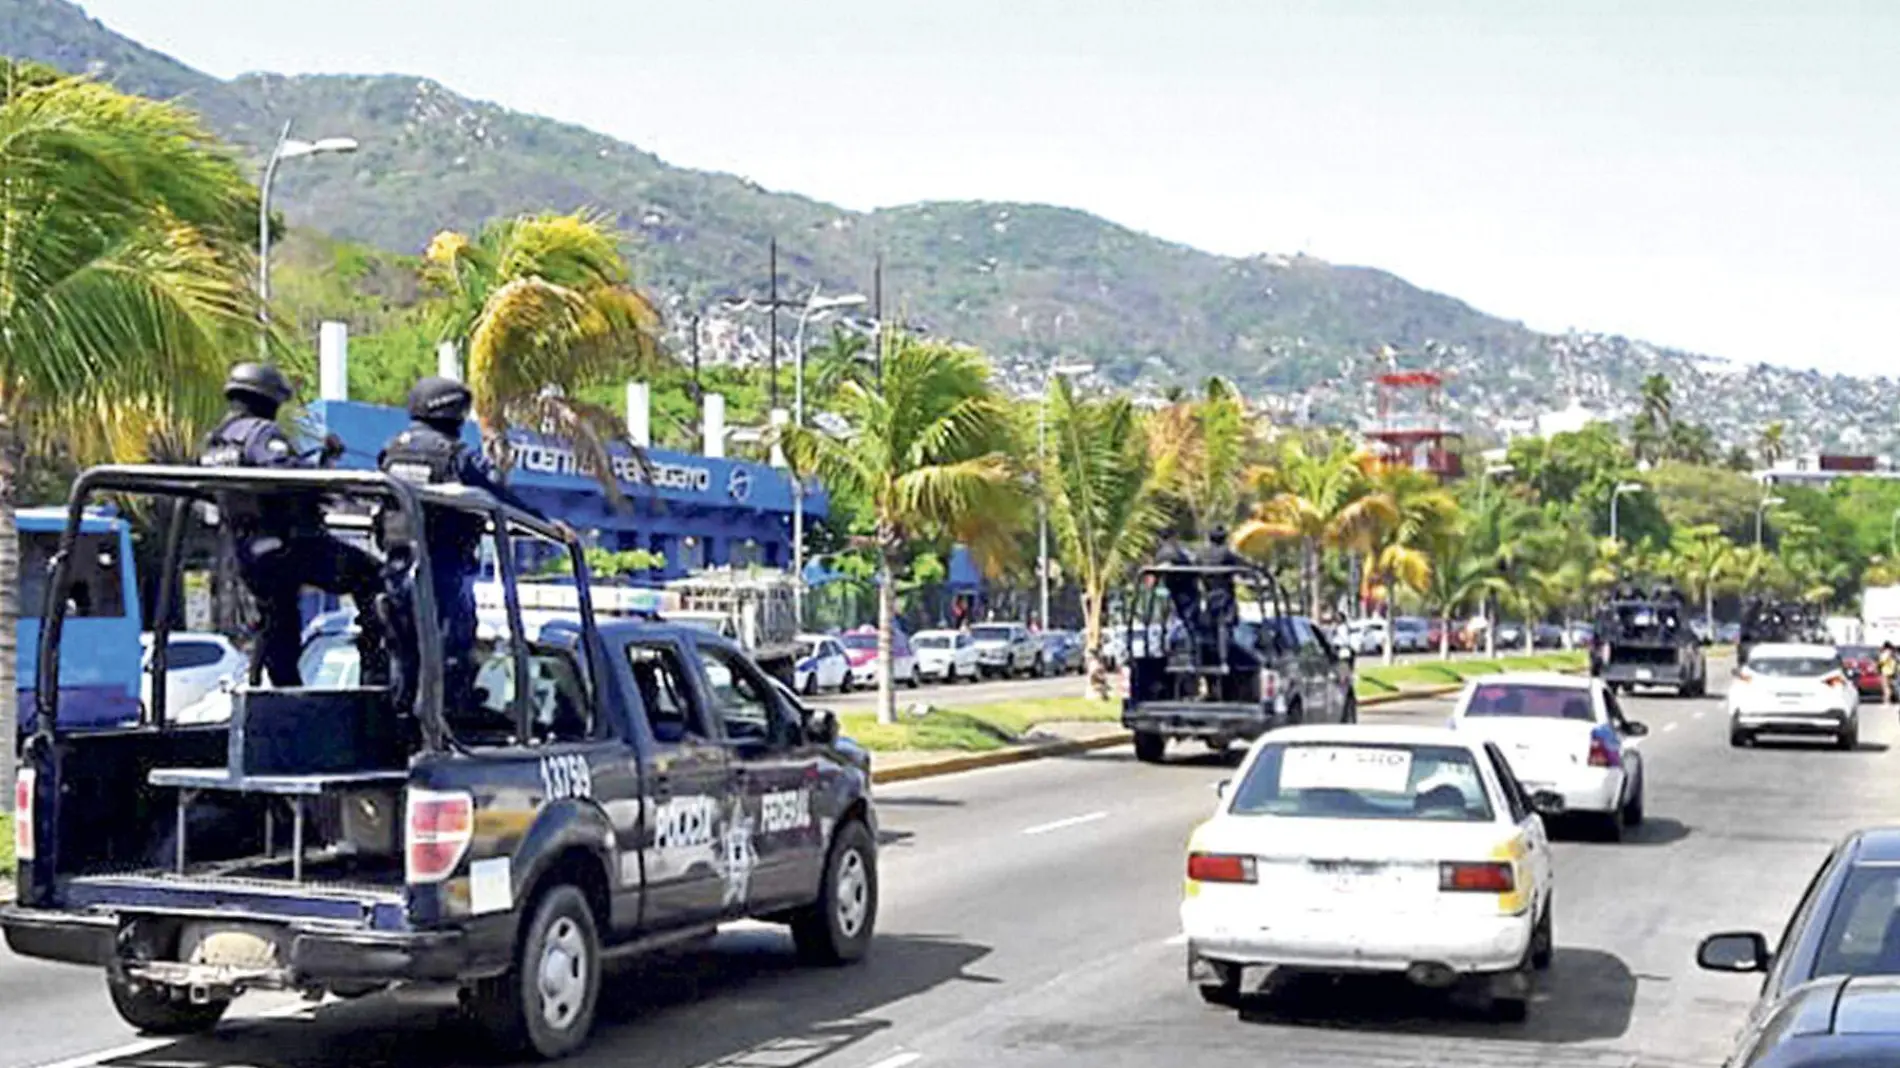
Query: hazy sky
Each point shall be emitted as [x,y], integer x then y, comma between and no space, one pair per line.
[1722,175]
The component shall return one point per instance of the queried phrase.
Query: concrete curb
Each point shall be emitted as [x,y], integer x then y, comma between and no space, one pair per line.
[994,758]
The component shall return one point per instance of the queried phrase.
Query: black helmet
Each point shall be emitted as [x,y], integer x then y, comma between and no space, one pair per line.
[1217,535]
[258,381]
[440,399]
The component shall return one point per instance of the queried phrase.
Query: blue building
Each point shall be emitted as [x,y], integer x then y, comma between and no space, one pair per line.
[697,511]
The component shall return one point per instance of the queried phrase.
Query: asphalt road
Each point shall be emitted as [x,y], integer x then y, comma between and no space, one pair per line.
[1029,919]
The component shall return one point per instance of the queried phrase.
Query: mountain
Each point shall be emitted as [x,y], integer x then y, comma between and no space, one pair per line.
[1028,283]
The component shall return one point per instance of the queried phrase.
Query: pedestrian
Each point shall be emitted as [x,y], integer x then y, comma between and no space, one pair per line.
[1889,665]
[278,538]
[430,451]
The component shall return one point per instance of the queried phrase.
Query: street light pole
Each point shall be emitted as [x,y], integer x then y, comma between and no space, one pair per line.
[1042,499]
[1615,494]
[284,149]
[814,306]
[1761,510]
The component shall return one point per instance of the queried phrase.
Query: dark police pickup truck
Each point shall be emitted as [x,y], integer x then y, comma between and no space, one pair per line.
[1185,682]
[609,790]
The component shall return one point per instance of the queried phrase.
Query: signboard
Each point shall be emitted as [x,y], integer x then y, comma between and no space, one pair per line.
[1342,767]
[555,460]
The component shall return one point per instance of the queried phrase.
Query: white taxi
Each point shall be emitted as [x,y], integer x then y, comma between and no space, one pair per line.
[1404,850]
[1563,733]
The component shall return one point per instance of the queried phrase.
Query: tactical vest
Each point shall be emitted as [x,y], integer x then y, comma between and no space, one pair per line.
[428,457]
[239,442]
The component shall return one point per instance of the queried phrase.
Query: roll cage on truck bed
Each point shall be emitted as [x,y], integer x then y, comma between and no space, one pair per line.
[606,790]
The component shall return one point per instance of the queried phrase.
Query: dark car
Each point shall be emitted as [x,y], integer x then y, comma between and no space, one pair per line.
[1818,1004]
[1862,663]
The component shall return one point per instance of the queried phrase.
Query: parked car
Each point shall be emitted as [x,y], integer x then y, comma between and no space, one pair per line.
[1062,652]
[945,655]
[1547,636]
[1510,637]
[1793,689]
[860,648]
[1581,635]
[822,665]
[1007,649]
[1828,995]
[1411,851]
[1862,663]
[1563,733]
[198,668]
[1410,634]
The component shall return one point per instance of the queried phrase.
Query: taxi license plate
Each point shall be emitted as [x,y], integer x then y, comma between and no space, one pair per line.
[1645,673]
[1348,878]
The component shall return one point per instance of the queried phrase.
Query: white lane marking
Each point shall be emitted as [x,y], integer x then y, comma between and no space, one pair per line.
[1633,743]
[899,1060]
[1670,727]
[1072,821]
[130,1049]
[1177,940]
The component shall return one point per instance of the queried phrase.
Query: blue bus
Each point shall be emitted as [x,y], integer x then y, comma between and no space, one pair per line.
[100,656]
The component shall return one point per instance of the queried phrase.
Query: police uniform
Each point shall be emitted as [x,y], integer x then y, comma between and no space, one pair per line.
[1184,589]
[430,451]
[278,538]
[1219,606]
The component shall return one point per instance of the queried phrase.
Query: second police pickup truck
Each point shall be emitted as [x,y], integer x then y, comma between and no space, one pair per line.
[607,790]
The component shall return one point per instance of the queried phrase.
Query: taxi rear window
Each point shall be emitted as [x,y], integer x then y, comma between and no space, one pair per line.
[1315,780]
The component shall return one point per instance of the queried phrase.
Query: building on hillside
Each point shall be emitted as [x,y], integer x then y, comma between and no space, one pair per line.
[1819,469]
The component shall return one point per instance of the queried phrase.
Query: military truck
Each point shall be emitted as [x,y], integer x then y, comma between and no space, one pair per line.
[1273,669]
[1643,637]
[604,791]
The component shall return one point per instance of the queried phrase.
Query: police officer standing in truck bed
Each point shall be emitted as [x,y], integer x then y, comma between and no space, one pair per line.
[430,451]
[279,539]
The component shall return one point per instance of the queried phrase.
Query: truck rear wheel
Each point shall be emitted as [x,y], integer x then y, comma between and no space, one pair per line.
[545,1003]
[159,1010]
[837,928]
[1150,746]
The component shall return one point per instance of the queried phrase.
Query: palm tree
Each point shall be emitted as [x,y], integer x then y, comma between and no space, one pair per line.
[1105,502]
[1412,509]
[928,448]
[1773,444]
[1458,574]
[1200,447]
[123,280]
[1649,431]
[545,309]
[1315,498]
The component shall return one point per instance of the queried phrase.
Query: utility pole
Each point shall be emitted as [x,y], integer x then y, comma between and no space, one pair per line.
[771,315]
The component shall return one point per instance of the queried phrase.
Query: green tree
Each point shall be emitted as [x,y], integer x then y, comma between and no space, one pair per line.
[123,290]
[1459,574]
[1412,510]
[1105,502]
[1702,556]
[1655,414]
[928,448]
[1315,496]
[1200,447]
[1773,444]
[545,309]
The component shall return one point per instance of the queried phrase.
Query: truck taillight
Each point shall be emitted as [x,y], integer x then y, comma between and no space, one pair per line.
[1490,877]
[23,787]
[1220,868]
[1269,685]
[440,824]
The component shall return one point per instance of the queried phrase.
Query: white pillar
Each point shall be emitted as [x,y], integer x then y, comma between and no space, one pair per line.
[714,422]
[639,414]
[780,420]
[447,363]
[333,361]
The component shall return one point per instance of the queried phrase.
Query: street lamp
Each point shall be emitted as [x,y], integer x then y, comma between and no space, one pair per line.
[1760,510]
[1619,491]
[814,306]
[286,149]
[1042,499]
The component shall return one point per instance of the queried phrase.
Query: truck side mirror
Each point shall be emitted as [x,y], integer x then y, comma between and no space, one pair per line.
[821,726]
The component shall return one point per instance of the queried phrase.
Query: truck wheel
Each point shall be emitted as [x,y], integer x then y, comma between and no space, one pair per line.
[545,1003]
[836,929]
[1149,747]
[811,685]
[154,1010]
